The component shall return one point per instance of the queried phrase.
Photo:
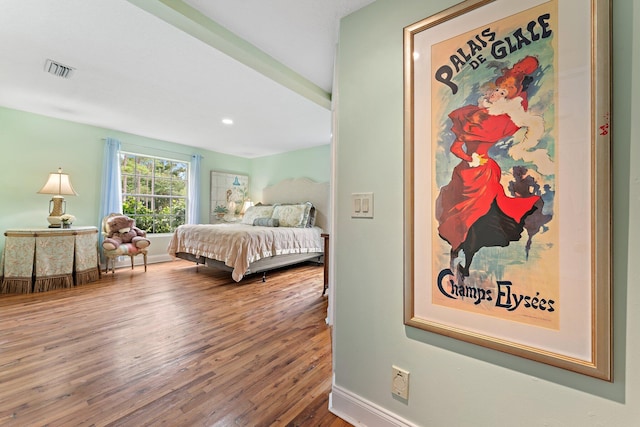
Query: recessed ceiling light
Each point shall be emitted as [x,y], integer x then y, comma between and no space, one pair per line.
[227,121]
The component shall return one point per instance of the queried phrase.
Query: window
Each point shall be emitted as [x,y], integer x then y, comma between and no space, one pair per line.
[154,191]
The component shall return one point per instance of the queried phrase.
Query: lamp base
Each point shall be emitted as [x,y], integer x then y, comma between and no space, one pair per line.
[54,221]
[57,207]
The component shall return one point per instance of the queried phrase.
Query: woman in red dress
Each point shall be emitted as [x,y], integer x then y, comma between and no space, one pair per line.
[473,210]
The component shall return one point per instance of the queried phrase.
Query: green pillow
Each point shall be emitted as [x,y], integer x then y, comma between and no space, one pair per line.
[266,222]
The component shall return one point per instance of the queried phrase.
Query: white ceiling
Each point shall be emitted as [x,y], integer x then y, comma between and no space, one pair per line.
[172,70]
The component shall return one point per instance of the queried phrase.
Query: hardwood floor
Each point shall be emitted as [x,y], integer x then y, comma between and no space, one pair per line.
[179,345]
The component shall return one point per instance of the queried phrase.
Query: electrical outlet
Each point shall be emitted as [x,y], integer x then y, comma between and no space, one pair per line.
[400,382]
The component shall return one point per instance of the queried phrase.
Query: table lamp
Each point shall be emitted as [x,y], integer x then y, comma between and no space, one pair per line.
[246,205]
[58,184]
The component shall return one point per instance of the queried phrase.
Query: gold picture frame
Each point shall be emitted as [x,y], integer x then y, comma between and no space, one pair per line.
[507,179]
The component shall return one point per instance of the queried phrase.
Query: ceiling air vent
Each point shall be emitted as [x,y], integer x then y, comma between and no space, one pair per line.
[57,69]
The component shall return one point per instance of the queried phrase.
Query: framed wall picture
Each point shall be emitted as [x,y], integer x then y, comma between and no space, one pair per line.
[507,179]
[228,193]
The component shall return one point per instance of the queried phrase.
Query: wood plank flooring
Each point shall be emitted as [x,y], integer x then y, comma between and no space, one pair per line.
[179,345]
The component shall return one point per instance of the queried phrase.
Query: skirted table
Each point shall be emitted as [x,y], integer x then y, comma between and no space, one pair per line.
[42,259]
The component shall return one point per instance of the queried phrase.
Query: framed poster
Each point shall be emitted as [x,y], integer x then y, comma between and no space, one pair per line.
[507,179]
[228,193]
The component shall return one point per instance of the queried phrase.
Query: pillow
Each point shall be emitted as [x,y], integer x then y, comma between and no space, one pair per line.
[266,222]
[258,211]
[312,217]
[295,215]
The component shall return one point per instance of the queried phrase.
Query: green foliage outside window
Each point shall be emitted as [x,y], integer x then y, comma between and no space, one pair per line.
[154,192]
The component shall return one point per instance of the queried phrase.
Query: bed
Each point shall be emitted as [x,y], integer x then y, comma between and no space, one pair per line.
[289,224]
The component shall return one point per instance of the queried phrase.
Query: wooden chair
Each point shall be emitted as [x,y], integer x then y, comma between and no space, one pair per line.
[125,249]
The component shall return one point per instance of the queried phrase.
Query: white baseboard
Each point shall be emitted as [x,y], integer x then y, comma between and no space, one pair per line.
[360,412]
[151,259]
[125,261]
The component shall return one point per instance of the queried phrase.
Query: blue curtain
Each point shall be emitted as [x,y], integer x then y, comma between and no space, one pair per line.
[111,192]
[193,211]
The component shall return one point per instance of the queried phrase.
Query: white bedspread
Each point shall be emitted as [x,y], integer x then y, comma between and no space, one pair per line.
[238,245]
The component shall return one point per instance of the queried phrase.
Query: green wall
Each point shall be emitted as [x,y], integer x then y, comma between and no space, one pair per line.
[33,145]
[313,163]
[455,383]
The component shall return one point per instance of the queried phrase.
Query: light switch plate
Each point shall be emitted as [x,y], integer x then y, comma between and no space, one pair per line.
[361,205]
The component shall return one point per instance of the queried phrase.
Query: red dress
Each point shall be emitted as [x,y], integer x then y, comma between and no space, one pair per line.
[475,200]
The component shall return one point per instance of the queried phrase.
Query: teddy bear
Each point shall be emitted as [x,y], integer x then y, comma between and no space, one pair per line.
[122,229]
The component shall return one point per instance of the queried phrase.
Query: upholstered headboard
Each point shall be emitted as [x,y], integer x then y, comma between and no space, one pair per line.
[297,190]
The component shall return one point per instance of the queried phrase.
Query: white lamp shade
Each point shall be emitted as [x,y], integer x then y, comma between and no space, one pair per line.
[246,205]
[58,183]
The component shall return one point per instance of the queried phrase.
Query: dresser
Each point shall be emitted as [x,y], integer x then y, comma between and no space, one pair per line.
[42,259]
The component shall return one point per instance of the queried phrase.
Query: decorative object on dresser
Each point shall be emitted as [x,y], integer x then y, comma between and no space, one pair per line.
[122,238]
[58,185]
[283,231]
[43,259]
[67,220]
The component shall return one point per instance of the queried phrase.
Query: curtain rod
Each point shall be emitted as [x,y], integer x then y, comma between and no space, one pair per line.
[158,149]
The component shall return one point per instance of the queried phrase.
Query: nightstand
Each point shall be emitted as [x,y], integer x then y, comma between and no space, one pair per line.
[325,236]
